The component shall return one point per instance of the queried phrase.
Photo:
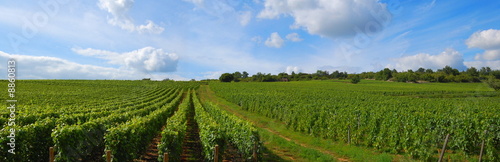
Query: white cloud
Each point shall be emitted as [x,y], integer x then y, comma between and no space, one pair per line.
[42,67]
[294,37]
[349,69]
[119,10]
[257,39]
[488,40]
[274,41]
[211,75]
[331,18]
[290,69]
[478,64]
[150,28]
[198,3]
[488,55]
[448,57]
[245,17]
[147,59]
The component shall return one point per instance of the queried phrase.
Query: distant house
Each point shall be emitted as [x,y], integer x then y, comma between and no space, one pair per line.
[148,79]
[284,79]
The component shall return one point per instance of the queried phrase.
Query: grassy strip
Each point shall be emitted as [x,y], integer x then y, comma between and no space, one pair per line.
[308,148]
[288,150]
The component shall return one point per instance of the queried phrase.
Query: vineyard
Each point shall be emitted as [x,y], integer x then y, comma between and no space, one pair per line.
[82,120]
[85,120]
[398,118]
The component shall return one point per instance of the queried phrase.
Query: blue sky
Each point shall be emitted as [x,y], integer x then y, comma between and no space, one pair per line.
[200,39]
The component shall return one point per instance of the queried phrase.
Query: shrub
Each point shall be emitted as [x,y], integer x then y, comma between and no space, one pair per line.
[355,79]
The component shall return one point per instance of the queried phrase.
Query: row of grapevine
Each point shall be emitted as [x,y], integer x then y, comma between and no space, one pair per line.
[81,141]
[216,127]
[38,134]
[174,132]
[211,132]
[85,113]
[127,140]
[75,116]
[366,117]
[220,128]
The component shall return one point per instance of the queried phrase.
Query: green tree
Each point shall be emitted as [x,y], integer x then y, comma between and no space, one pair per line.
[226,77]
[448,70]
[485,71]
[472,71]
[493,83]
[355,79]
[245,75]
[385,74]
[237,76]
[421,70]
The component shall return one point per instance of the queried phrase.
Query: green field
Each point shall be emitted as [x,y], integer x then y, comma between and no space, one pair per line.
[397,118]
[278,121]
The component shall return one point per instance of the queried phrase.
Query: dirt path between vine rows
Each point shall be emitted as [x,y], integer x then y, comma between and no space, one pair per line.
[191,146]
[151,153]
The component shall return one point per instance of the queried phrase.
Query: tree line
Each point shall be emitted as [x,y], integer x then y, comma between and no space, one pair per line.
[262,77]
[444,75]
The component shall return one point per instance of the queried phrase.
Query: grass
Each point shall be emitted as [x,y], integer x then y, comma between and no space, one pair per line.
[290,145]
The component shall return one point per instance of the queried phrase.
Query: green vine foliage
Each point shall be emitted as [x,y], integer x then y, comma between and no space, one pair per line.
[391,117]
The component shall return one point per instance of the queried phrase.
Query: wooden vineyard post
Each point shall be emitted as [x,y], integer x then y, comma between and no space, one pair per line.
[349,135]
[482,148]
[216,154]
[51,154]
[165,157]
[444,148]
[481,152]
[255,151]
[108,155]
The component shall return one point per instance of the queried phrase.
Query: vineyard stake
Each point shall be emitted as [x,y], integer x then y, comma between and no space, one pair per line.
[108,155]
[216,155]
[349,135]
[481,153]
[482,148]
[51,154]
[444,147]
[255,151]
[165,157]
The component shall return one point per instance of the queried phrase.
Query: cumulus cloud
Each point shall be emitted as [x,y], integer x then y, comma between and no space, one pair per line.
[334,18]
[147,59]
[477,64]
[488,55]
[245,17]
[294,37]
[119,10]
[150,28]
[488,40]
[290,69]
[448,57]
[42,67]
[274,41]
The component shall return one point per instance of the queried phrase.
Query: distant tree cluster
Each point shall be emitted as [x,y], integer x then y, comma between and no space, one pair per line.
[261,77]
[446,74]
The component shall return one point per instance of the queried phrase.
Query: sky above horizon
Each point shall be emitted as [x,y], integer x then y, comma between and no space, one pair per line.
[201,39]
